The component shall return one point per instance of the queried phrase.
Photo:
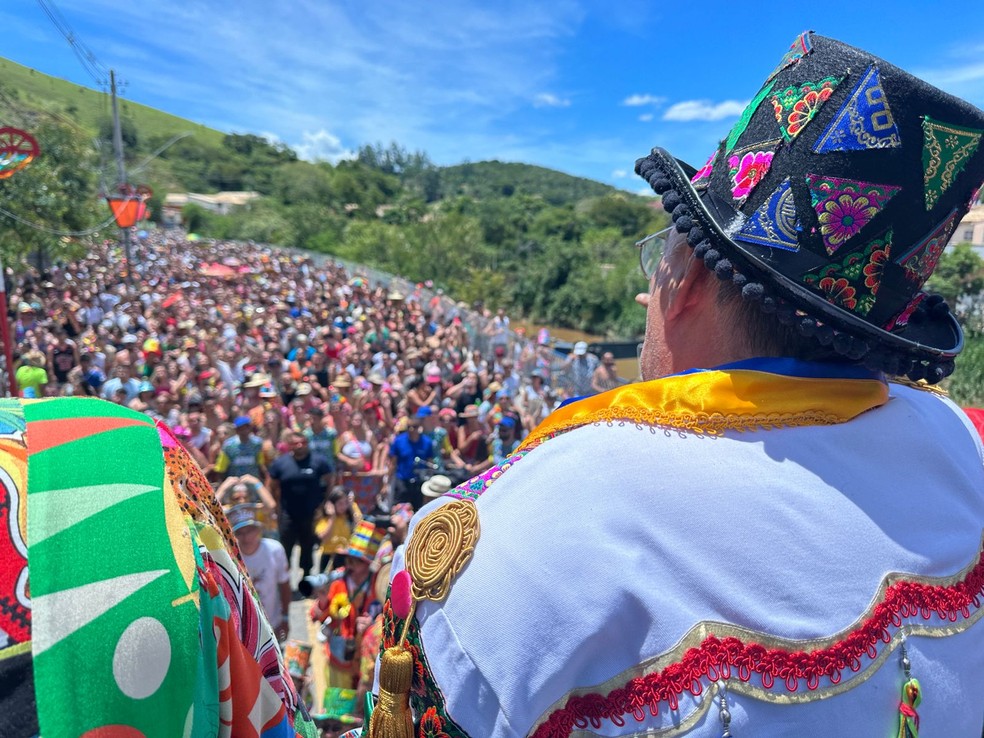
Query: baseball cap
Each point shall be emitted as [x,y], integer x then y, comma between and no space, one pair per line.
[580,348]
[423,412]
[241,516]
[241,421]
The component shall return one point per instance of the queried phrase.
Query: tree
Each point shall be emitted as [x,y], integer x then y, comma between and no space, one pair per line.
[128,132]
[960,272]
[53,195]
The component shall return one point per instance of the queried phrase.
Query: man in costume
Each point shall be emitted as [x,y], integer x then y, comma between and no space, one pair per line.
[125,607]
[774,534]
[347,608]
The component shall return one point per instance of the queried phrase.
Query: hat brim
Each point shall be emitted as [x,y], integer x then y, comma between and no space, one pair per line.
[246,524]
[932,338]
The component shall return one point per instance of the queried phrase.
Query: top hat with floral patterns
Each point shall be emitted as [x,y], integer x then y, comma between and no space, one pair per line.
[830,201]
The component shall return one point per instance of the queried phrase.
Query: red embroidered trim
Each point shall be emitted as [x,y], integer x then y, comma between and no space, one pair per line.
[717,658]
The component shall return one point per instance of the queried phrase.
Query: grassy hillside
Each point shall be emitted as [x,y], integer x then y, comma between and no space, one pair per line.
[494,179]
[88,108]
[524,237]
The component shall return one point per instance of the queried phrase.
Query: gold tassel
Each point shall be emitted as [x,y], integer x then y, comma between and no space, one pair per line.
[392,717]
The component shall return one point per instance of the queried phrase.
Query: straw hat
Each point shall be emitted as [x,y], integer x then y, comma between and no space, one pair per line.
[436,486]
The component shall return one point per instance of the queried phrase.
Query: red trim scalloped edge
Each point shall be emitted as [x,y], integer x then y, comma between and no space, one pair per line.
[716,658]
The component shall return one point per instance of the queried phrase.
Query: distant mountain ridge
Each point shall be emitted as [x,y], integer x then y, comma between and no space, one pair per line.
[24,91]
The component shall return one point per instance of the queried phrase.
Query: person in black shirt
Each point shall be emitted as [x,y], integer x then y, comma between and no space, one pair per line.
[299,480]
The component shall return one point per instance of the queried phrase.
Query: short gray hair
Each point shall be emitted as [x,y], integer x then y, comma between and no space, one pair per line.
[763,335]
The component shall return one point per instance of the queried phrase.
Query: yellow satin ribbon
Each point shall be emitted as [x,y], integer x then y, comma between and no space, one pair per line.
[711,402]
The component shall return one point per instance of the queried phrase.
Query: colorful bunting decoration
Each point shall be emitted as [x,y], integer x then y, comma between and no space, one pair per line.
[864,122]
[853,283]
[845,206]
[946,150]
[796,106]
[774,224]
[920,260]
[746,115]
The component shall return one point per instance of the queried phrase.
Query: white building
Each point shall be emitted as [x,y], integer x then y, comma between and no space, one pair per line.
[222,203]
[971,230]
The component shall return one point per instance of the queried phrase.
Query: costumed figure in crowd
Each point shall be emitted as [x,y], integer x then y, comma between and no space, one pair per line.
[778,532]
[125,608]
[346,607]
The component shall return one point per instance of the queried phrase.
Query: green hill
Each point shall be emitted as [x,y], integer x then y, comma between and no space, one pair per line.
[88,108]
[546,245]
[493,179]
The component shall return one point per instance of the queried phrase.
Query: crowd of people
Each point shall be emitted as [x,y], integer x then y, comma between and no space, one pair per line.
[303,391]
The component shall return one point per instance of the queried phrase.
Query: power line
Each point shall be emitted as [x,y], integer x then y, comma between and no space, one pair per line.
[95,68]
[56,232]
[170,142]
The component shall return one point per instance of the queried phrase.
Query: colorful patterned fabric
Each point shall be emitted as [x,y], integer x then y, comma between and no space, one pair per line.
[748,166]
[774,224]
[920,261]
[702,178]
[474,487]
[136,636]
[865,121]
[802,649]
[800,47]
[853,283]
[15,604]
[426,699]
[746,116]
[713,401]
[107,621]
[365,540]
[946,150]
[902,319]
[796,106]
[845,206]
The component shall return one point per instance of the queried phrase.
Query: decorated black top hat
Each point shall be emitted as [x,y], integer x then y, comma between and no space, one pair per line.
[831,200]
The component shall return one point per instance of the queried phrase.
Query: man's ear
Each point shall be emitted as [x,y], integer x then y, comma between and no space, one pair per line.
[693,288]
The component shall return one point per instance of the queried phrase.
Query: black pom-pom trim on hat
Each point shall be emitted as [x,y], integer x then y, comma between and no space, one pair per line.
[825,335]
[785,314]
[806,326]
[684,223]
[670,200]
[753,291]
[660,184]
[723,269]
[695,235]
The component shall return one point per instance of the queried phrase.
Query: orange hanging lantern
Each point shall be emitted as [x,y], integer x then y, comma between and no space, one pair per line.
[130,205]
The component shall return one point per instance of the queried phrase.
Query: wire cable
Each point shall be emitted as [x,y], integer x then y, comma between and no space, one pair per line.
[95,68]
[54,231]
[168,144]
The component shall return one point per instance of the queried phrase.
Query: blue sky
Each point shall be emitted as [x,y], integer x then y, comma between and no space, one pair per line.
[582,86]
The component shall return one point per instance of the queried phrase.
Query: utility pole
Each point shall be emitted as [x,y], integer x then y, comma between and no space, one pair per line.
[118,148]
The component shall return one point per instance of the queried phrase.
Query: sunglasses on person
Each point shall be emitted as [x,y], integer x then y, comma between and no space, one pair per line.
[651,251]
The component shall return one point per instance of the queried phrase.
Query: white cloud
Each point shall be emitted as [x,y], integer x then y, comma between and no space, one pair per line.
[962,80]
[704,110]
[322,146]
[646,117]
[619,174]
[635,101]
[548,100]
